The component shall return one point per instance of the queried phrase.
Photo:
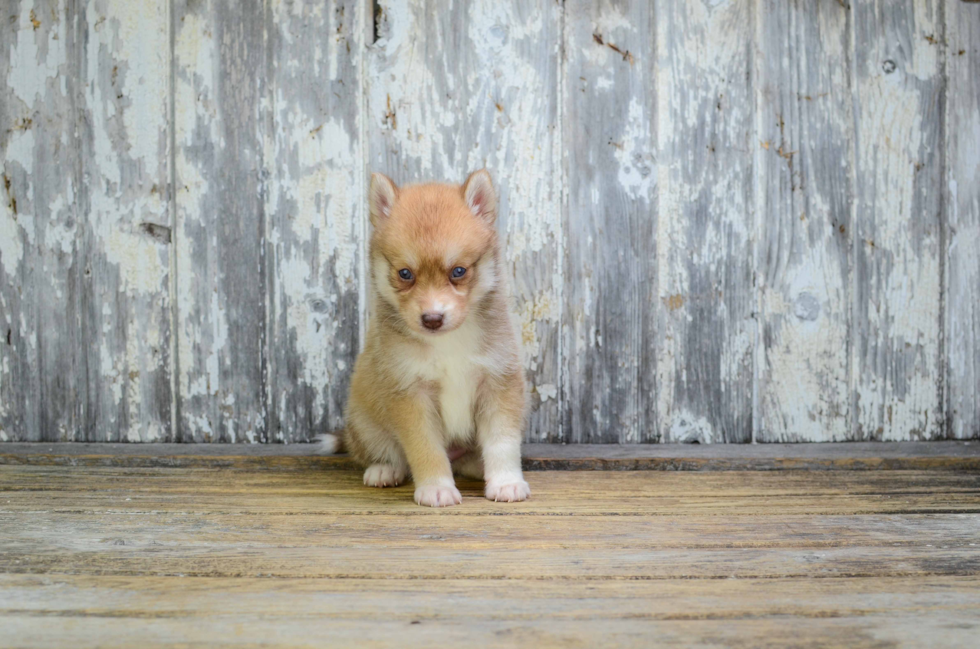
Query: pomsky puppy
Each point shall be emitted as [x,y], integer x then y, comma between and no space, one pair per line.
[439,386]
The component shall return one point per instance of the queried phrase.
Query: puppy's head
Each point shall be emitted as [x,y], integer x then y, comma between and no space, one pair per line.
[433,249]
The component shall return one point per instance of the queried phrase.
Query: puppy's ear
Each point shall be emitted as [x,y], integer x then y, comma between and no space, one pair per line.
[480,196]
[382,196]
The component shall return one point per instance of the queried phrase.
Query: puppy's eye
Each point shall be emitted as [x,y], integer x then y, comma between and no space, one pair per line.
[458,272]
[406,274]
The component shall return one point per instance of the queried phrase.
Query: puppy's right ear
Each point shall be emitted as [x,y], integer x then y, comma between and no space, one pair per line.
[381,198]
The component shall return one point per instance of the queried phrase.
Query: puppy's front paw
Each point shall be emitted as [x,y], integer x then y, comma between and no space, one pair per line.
[437,496]
[384,475]
[508,492]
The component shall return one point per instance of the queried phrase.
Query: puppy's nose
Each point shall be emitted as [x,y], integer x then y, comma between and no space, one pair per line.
[432,320]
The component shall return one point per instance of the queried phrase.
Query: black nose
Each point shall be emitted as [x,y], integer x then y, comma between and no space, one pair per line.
[432,320]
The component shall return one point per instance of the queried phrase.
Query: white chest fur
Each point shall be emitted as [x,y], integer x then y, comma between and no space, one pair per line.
[457,395]
[454,364]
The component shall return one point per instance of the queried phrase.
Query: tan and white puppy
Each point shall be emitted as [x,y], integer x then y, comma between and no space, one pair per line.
[439,385]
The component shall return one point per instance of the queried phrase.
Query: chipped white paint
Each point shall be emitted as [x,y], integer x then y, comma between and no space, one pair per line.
[35,62]
[40,346]
[11,246]
[897,280]
[636,163]
[963,219]
[689,428]
[609,270]
[194,110]
[705,331]
[126,229]
[547,391]
[724,219]
[324,214]
[803,181]
[315,213]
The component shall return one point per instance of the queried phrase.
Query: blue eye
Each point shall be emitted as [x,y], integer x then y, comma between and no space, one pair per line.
[458,272]
[405,274]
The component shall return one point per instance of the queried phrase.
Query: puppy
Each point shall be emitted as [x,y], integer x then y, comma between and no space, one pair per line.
[439,385]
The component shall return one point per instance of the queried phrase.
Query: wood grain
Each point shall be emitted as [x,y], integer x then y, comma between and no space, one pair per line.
[81,531]
[221,283]
[962,209]
[705,146]
[610,279]
[104,557]
[313,199]
[897,292]
[851,456]
[41,269]
[804,175]
[120,611]
[453,87]
[125,234]
[557,493]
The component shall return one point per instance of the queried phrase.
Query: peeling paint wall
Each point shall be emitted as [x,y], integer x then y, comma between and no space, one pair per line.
[725,220]
[804,190]
[610,265]
[961,215]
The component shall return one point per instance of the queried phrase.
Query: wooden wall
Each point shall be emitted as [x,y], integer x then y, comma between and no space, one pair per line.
[726,220]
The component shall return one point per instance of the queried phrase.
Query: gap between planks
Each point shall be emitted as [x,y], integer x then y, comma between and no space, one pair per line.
[854,456]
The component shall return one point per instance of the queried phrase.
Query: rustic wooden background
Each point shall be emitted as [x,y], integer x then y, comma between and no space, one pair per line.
[727,220]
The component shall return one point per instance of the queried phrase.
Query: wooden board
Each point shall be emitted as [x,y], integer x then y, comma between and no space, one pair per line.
[705,145]
[117,611]
[124,234]
[560,493]
[610,280]
[453,87]
[804,176]
[897,366]
[852,456]
[313,199]
[222,275]
[962,209]
[103,557]
[41,269]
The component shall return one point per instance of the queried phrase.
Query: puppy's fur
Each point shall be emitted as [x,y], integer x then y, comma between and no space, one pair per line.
[427,398]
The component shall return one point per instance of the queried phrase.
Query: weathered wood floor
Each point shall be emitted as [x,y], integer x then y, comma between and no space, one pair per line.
[143,556]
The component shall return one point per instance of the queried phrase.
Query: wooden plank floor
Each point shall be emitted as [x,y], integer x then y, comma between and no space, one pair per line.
[149,556]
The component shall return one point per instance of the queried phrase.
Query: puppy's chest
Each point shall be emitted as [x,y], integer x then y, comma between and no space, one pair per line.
[457,396]
[458,379]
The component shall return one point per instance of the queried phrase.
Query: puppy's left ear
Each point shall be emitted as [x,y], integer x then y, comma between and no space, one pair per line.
[480,196]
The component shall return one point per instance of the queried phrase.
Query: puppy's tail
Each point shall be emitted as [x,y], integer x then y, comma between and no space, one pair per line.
[329,444]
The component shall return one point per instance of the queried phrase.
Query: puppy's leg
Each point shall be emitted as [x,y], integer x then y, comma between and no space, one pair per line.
[388,467]
[370,444]
[499,430]
[384,475]
[416,421]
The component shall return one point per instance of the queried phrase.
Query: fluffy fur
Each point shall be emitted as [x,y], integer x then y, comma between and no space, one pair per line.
[425,401]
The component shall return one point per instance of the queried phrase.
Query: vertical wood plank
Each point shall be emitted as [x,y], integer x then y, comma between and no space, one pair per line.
[457,86]
[123,111]
[315,208]
[220,54]
[705,147]
[40,271]
[610,283]
[897,281]
[804,171]
[963,209]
